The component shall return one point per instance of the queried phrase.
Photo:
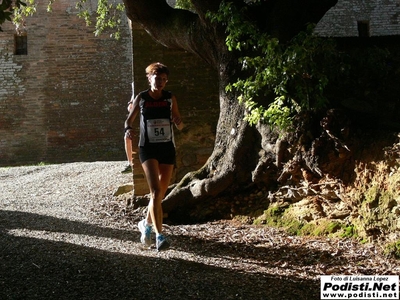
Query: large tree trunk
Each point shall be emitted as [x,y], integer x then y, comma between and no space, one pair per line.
[242,154]
[229,168]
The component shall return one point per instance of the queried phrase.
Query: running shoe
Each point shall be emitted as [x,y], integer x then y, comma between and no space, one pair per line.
[162,243]
[145,230]
[128,169]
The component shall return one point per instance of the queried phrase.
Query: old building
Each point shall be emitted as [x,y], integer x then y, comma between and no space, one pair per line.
[62,96]
[361,18]
[64,91]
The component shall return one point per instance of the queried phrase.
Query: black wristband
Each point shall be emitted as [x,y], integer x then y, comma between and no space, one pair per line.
[127,128]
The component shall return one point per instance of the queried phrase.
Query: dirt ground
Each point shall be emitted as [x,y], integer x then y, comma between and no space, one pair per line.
[57,241]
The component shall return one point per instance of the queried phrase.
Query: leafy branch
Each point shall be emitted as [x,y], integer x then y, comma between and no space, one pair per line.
[8,8]
[184,4]
[295,73]
[108,16]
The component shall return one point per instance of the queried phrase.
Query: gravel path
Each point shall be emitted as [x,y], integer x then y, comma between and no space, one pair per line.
[54,244]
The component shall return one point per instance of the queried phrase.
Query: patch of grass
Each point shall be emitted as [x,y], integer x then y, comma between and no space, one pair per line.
[276,216]
[322,228]
[282,218]
[348,232]
[291,226]
[270,217]
[393,249]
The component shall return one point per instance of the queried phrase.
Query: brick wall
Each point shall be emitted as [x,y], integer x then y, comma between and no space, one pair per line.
[196,87]
[383,17]
[66,100]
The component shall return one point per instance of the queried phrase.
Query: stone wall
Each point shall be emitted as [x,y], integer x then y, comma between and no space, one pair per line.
[381,16]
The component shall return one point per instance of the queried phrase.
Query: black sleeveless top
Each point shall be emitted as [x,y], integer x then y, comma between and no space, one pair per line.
[155,119]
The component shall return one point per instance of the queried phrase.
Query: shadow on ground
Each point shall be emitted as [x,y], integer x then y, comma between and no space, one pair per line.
[33,268]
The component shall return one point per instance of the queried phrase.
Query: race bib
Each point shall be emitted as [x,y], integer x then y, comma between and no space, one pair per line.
[159,130]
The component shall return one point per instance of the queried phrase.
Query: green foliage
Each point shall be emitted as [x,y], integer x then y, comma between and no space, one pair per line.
[349,232]
[15,11]
[322,228]
[285,218]
[276,216]
[393,249]
[330,228]
[184,4]
[294,74]
[28,9]
[108,16]
[8,8]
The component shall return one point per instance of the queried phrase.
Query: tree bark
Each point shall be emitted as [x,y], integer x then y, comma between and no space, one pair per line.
[240,151]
